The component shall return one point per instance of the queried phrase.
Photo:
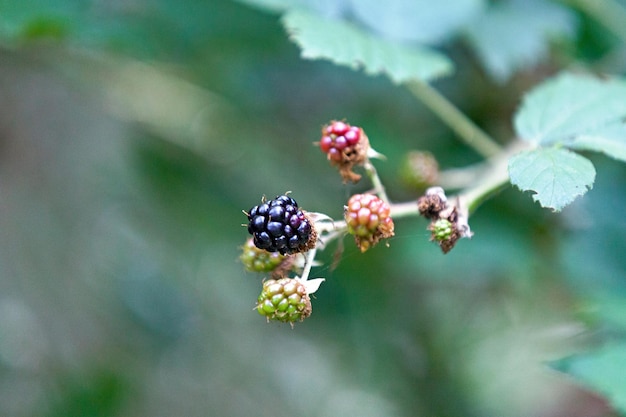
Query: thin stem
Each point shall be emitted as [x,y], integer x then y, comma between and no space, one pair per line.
[493,183]
[379,189]
[457,178]
[309,257]
[467,130]
[329,231]
[493,179]
[406,209]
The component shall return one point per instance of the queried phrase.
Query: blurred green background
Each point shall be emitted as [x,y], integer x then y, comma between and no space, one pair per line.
[133,133]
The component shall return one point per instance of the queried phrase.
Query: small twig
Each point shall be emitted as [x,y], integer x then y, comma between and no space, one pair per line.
[467,130]
[309,257]
[329,232]
[457,178]
[379,189]
[493,179]
[407,209]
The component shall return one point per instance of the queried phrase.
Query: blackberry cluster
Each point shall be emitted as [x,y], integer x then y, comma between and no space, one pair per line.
[280,226]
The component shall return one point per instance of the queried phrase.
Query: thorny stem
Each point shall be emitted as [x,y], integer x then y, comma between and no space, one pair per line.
[467,130]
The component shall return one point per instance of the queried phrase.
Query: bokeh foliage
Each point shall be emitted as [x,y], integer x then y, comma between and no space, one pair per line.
[133,133]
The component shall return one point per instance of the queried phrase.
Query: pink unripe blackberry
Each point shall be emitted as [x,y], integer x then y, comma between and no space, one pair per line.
[367,218]
[339,138]
[345,146]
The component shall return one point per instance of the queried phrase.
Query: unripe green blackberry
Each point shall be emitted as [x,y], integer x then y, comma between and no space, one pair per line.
[260,260]
[442,229]
[367,218]
[445,233]
[345,146]
[280,226]
[285,300]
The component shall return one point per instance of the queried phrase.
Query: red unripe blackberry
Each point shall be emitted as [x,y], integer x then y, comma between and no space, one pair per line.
[285,300]
[280,226]
[339,136]
[367,218]
[345,146]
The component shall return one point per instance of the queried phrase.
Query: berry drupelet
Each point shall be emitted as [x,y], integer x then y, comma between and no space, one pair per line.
[280,226]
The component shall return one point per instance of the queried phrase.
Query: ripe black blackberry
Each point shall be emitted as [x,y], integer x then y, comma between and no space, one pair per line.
[280,226]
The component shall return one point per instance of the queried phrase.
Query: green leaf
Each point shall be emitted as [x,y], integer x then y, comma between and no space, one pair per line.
[557,176]
[344,44]
[610,140]
[423,21]
[516,35]
[567,107]
[602,371]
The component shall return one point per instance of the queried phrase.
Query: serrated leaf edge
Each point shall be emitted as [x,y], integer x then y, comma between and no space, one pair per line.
[582,191]
[314,54]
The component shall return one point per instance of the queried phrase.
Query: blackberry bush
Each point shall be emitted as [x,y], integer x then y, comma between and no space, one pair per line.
[281,226]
